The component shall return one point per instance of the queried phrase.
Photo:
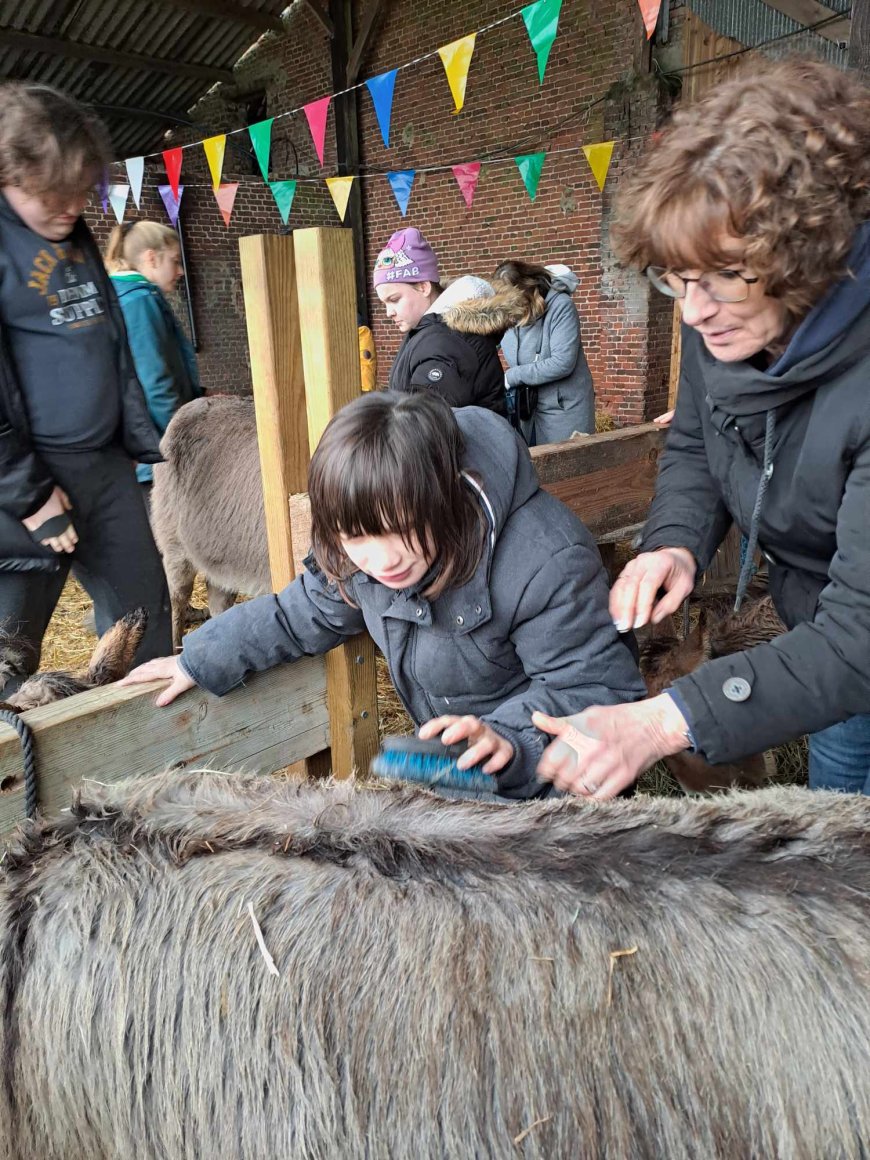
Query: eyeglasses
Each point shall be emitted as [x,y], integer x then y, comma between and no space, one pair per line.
[720,285]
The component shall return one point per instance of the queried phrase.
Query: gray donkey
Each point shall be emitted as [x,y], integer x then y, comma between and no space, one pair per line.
[204,966]
[207,506]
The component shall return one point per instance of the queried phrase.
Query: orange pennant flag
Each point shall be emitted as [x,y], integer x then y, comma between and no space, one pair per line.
[599,157]
[456,58]
[225,196]
[649,10]
[214,154]
[339,188]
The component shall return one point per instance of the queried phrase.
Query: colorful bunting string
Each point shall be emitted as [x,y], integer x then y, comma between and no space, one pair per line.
[400,183]
[381,89]
[172,161]
[135,167]
[118,200]
[542,24]
[339,188]
[172,201]
[316,113]
[261,139]
[456,58]
[530,166]
[225,196]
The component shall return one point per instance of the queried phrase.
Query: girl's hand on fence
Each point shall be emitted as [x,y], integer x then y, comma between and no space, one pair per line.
[664,420]
[484,744]
[633,595]
[598,752]
[161,669]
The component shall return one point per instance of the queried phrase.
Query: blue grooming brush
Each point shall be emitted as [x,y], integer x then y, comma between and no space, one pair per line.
[430,763]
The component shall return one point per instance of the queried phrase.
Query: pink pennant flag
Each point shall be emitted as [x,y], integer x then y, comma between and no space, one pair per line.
[225,196]
[172,161]
[649,10]
[466,178]
[316,113]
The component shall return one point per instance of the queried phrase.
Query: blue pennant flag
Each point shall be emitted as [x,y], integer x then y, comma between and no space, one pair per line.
[401,182]
[381,89]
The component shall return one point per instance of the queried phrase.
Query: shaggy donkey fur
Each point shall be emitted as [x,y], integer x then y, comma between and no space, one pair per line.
[640,979]
[111,660]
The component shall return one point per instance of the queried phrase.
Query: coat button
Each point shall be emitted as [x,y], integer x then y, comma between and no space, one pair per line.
[478,609]
[419,612]
[460,620]
[736,689]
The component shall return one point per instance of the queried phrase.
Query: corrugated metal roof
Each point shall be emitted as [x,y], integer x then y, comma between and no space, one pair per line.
[753,23]
[128,93]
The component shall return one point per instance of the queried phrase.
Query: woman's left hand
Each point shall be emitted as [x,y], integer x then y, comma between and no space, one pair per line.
[604,749]
[484,744]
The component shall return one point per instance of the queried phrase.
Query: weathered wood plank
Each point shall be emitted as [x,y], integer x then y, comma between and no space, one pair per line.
[107,734]
[606,480]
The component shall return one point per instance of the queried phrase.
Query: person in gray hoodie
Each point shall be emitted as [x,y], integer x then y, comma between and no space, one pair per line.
[485,594]
[545,352]
[753,210]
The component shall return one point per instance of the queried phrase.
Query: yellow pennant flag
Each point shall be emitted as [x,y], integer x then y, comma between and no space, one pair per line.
[214,154]
[456,58]
[340,188]
[598,157]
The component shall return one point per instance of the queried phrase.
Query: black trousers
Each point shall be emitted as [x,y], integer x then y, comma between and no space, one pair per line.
[116,560]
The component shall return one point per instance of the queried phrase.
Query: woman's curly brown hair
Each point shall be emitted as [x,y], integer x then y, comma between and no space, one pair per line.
[777,158]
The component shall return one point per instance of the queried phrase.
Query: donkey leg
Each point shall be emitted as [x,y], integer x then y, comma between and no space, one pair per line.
[180,575]
[219,599]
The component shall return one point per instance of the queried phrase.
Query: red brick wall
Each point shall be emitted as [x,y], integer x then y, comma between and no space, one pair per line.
[600,46]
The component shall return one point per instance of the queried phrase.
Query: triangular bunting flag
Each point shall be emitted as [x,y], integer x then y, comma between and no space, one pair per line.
[466,178]
[283,193]
[316,113]
[214,148]
[104,191]
[456,58]
[118,200]
[339,188]
[171,201]
[225,196]
[172,161]
[400,183]
[649,10]
[381,89]
[598,157]
[135,172]
[530,166]
[542,24]
[261,139]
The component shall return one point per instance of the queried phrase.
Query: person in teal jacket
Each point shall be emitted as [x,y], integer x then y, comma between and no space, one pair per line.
[144,262]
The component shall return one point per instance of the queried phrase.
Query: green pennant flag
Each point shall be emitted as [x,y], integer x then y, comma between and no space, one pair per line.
[283,193]
[261,139]
[542,24]
[530,166]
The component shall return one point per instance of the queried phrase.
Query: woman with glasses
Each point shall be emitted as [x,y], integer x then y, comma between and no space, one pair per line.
[752,211]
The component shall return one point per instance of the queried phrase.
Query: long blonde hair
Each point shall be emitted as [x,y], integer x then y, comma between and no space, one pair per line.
[129,241]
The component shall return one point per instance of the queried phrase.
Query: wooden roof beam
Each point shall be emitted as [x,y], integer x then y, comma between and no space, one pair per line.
[363,39]
[29,42]
[808,12]
[228,10]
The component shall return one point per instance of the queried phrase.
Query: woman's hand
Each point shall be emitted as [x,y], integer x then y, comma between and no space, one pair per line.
[484,744]
[604,749]
[664,420]
[57,504]
[633,595]
[161,669]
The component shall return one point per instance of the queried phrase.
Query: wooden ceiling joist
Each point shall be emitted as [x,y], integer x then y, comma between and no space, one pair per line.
[227,10]
[29,42]
[810,12]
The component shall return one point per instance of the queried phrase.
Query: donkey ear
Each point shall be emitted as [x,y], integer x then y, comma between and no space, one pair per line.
[113,656]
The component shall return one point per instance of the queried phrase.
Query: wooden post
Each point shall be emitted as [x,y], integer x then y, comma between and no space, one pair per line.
[326,292]
[859,37]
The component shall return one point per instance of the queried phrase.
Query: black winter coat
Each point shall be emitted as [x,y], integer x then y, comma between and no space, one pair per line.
[814,530]
[25,482]
[463,368]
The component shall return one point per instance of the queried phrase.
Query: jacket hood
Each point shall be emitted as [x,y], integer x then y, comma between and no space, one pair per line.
[497,460]
[132,284]
[564,279]
[834,333]
[464,289]
[491,315]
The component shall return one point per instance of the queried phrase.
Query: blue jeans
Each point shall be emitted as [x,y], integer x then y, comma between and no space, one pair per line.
[840,757]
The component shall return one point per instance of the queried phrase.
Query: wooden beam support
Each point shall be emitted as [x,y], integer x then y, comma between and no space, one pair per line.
[363,39]
[29,42]
[859,38]
[228,10]
[330,355]
[809,12]
[108,734]
[320,16]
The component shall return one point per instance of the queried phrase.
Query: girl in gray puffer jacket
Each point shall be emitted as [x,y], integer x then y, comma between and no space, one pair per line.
[485,594]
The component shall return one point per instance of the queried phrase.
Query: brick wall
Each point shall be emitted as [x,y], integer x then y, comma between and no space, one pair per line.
[597,87]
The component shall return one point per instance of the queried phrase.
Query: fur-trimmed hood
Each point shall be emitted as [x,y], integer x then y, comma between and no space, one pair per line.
[490,316]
